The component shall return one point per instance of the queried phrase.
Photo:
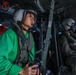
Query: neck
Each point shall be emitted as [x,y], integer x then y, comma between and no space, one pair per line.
[24,30]
[25,27]
[67,33]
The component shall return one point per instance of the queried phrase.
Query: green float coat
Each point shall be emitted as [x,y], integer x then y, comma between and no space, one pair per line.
[8,53]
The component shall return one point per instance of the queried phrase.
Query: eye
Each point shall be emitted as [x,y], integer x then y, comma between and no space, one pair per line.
[73,24]
[32,16]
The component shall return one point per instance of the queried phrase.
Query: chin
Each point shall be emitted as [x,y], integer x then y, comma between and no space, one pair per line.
[31,26]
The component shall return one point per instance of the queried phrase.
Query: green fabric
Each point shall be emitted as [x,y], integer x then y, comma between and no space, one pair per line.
[8,53]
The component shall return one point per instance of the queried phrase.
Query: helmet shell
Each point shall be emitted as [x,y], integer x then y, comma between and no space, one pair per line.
[67,23]
[20,14]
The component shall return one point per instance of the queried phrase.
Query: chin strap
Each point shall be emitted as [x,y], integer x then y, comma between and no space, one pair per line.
[30,30]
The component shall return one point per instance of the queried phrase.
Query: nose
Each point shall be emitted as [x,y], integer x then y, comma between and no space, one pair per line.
[32,20]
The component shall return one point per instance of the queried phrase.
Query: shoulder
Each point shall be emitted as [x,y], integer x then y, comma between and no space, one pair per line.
[9,34]
[63,39]
[10,31]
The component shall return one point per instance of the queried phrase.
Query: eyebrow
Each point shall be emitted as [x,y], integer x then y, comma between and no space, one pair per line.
[32,16]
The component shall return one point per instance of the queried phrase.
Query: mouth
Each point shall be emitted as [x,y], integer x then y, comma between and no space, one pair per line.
[31,24]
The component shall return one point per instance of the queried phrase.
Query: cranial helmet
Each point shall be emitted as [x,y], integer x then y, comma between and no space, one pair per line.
[20,14]
[68,23]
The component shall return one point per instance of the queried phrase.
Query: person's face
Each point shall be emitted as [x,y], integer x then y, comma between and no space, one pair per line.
[67,32]
[29,21]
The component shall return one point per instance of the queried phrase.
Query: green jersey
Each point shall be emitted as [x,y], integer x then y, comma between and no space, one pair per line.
[8,53]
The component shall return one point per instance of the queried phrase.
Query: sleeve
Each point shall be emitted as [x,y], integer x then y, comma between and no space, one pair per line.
[6,67]
[65,48]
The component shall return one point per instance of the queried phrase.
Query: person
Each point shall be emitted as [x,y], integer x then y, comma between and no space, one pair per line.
[68,44]
[11,60]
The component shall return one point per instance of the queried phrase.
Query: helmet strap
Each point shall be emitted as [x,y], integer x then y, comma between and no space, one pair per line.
[24,15]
